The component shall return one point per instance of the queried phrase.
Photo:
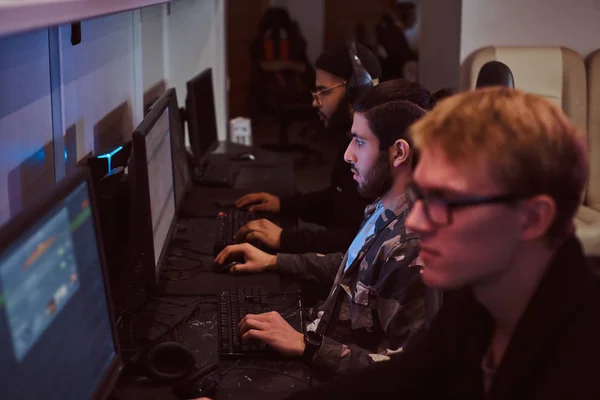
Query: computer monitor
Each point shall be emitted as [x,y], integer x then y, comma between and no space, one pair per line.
[182,173]
[201,118]
[57,337]
[152,195]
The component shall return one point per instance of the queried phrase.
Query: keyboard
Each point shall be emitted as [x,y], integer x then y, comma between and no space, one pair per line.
[234,304]
[218,174]
[228,224]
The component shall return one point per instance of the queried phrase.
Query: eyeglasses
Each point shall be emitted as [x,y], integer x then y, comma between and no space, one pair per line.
[324,92]
[439,210]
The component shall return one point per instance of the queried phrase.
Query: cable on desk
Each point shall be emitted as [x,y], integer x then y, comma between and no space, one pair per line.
[203,300]
[284,295]
[180,277]
[147,321]
[183,323]
[274,371]
[196,269]
[307,315]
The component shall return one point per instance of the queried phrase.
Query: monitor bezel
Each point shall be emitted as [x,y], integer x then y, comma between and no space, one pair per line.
[23,221]
[175,117]
[140,199]
[191,106]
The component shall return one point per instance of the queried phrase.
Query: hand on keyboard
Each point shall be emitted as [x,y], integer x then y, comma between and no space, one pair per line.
[275,331]
[266,202]
[262,230]
[255,259]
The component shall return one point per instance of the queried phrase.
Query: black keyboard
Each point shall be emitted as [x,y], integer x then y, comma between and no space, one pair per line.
[228,224]
[233,306]
[218,174]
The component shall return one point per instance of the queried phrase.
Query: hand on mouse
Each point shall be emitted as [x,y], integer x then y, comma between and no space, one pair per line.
[263,230]
[275,331]
[266,202]
[255,260]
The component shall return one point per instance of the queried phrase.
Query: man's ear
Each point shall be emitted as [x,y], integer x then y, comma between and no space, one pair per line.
[400,153]
[537,213]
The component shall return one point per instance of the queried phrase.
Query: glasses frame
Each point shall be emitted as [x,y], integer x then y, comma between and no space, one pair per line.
[318,93]
[416,194]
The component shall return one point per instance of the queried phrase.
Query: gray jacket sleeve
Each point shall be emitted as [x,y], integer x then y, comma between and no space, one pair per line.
[321,268]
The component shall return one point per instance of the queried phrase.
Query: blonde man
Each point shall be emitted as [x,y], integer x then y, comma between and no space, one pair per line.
[500,176]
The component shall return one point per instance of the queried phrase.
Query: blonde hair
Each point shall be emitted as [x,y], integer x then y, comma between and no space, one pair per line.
[528,144]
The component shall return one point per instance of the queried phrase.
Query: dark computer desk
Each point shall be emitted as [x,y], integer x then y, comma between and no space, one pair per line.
[186,308]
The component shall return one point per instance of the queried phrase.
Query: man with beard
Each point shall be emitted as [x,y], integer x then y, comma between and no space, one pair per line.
[339,207]
[501,175]
[376,306]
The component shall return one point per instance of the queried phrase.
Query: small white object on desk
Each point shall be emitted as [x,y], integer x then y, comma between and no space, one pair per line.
[241,131]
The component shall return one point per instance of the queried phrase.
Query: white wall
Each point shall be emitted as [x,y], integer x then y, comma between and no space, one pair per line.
[98,76]
[453,29]
[439,43]
[153,49]
[572,24]
[196,41]
[94,77]
[25,116]
[120,56]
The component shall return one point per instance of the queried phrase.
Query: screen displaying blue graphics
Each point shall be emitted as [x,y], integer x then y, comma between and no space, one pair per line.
[40,277]
[55,329]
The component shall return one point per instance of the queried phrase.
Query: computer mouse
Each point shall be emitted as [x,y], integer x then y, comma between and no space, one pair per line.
[225,267]
[244,157]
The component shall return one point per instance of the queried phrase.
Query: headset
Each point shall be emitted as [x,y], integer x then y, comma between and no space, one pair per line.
[361,80]
[173,364]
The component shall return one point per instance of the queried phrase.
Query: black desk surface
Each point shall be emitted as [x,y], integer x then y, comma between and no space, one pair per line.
[242,379]
[186,309]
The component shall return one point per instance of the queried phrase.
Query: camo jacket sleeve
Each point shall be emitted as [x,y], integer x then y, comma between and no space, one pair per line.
[377,312]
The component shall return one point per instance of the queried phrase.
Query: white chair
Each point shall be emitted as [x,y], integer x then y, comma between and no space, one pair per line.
[558,74]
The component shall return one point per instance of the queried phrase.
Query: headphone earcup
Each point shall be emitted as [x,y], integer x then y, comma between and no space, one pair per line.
[359,83]
[169,361]
[361,80]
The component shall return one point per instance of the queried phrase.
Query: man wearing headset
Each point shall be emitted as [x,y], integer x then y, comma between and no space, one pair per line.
[376,306]
[339,207]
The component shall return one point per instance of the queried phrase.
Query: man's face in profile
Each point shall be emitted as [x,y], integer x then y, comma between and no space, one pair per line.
[329,92]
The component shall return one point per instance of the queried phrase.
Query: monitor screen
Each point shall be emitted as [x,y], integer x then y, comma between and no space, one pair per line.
[202,121]
[160,181]
[55,325]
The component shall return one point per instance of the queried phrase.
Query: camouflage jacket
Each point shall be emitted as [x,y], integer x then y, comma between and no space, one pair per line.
[377,305]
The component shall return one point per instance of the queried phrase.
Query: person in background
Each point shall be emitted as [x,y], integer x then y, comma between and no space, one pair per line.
[394,48]
[500,177]
[338,203]
[377,302]
[339,207]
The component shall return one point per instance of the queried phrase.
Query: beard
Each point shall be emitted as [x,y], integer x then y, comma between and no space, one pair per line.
[378,179]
